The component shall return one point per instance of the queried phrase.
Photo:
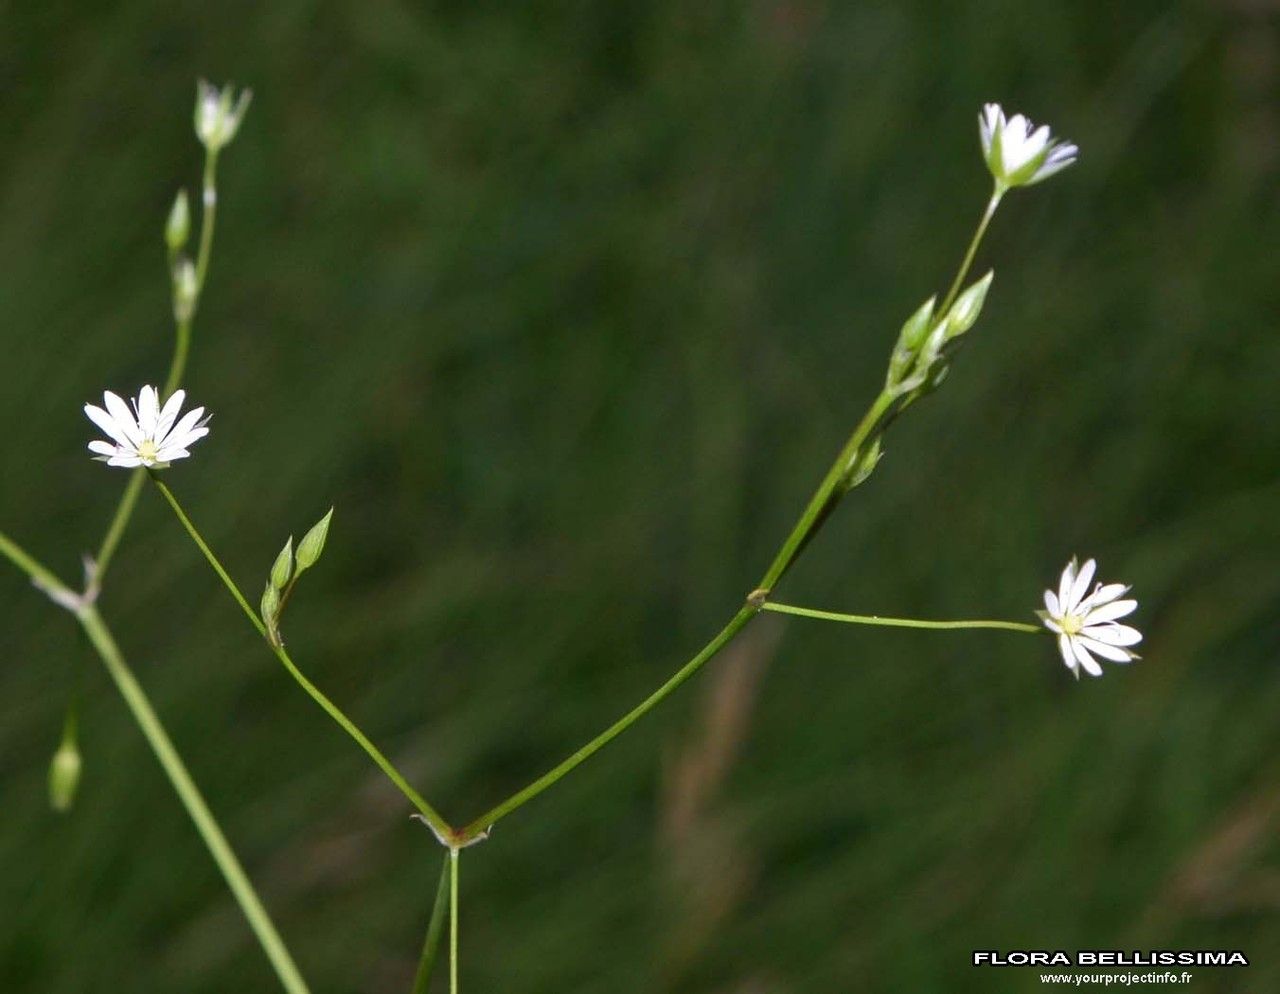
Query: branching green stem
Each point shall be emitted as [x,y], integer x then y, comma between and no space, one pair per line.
[177,365]
[40,574]
[552,776]
[872,619]
[429,814]
[435,928]
[193,801]
[453,921]
[996,196]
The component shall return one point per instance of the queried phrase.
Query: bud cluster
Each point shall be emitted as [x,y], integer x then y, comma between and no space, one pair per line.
[921,357]
[286,569]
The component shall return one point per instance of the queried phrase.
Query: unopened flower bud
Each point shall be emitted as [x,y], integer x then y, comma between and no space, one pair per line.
[910,338]
[178,227]
[64,776]
[964,312]
[282,569]
[270,606]
[219,113]
[312,543]
[185,289]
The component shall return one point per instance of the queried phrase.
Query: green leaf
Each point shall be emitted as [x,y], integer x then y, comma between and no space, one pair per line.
[283,566]
[312,544]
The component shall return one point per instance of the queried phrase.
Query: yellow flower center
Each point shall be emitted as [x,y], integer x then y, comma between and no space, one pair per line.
[147,451]
[1071,624]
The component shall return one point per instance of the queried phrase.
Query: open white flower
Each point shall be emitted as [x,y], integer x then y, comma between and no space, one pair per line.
[1017,152]
[1086,622]
[148,435]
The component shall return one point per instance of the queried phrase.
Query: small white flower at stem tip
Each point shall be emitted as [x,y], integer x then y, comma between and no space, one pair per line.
[147,435]
[1087,622]
[1017,152]
[219,113]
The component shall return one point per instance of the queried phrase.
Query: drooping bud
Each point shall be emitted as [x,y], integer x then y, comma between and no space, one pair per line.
[282,569]
[64,775]
[178,227]
[312,544]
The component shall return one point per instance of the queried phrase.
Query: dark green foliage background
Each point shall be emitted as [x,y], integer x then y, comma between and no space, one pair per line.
[567,307]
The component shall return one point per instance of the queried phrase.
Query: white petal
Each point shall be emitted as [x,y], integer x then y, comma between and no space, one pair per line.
[1057,160]
[1051,603]
[1113,634]
[148,411]
[108,425]
[1068,657]
[1052,625]
[1081,586]
[181,440]
[185,426]
[169,413]
[1110,612]
[1090,664]
[1112,652]
[124,459]
[1065,584]
[123,417]
[1107,592]
[169,455]
[103,448]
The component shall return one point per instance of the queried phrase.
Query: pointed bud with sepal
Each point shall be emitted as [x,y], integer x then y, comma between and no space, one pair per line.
[312,544]
[910,338]
[282,569]
[177,228]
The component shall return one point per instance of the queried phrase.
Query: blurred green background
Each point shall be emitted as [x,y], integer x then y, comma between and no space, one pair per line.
[567,307]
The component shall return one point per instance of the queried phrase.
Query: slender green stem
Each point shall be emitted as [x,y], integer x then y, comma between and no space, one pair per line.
[972,251]
[453,921]
[872,619]
[189,794]
[181,350]
[177,365]
[435,929]
[549,779]
[208,215]
[119,521]
[818,506]
[40,574]
[429,814]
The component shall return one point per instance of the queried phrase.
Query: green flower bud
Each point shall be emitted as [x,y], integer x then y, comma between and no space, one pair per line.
[283,566]
[270,607]
[312,543]
[964,312]
[185,290]
[178,227]
[64,776]
[910,338]
[862,465]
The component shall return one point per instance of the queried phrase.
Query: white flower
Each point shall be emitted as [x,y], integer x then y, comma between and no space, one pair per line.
[149,435]
[1017,152]
[219,113]
[1086,622]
